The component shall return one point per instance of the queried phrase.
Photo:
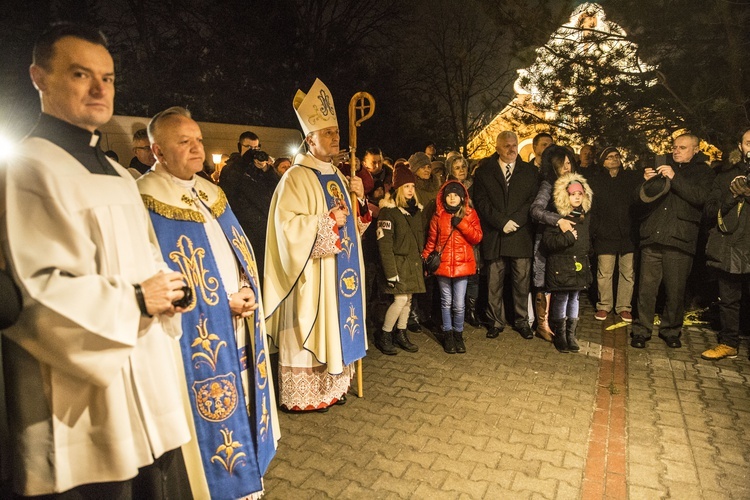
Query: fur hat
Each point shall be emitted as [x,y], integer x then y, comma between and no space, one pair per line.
[402,175]
[418,160]
[562,197]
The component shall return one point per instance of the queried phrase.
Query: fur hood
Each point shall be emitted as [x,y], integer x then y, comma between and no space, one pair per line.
[560,194]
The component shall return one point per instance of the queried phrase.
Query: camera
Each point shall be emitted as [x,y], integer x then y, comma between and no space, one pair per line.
[255,154]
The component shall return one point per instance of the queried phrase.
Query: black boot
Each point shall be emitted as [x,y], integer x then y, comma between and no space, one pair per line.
[471,312]
[560,339]
[384,342]
[570,332]
[458,337]
[413,324]
[449,342]
[401,339]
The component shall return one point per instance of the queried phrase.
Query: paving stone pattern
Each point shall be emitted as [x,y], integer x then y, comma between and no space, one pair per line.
[513,419]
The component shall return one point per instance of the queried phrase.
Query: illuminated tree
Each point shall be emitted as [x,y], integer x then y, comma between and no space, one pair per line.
[589,84]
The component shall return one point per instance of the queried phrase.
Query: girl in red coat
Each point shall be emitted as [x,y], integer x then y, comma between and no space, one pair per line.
[454,229]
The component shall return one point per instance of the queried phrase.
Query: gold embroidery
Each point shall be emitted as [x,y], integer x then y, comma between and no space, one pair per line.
[347,244]
[220,206]
[170,212]
[204,339]
[240,243]
[186,214]
[230,460]
[262,373]
[264,421]
[195,273]
[349,283]
[351,322]
[216,397]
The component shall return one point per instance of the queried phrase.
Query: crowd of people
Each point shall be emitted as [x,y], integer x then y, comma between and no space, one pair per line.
[141,306]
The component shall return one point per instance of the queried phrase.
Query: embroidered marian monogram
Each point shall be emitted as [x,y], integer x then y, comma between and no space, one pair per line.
[326,107]
[191,266]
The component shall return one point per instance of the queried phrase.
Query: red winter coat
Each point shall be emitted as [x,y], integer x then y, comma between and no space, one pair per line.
[457,258]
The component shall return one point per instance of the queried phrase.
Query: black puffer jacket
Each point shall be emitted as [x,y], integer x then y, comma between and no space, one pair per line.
[728,247]
[674,219]
[568,266]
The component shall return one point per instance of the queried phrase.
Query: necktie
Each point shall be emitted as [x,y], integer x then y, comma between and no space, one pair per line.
[507,174]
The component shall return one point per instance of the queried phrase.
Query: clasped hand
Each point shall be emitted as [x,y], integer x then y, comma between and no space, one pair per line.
[243,303]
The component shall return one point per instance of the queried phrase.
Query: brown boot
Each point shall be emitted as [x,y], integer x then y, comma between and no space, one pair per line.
[542,327]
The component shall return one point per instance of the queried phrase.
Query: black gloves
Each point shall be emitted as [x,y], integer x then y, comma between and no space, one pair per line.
[455,220]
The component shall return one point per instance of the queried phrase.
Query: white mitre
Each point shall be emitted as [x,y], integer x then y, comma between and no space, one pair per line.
[315,109]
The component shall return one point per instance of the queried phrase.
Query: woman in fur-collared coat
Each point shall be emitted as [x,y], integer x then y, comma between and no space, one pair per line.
[567,271]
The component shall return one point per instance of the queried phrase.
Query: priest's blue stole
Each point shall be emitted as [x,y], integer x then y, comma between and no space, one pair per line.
[236,441]
[349,280]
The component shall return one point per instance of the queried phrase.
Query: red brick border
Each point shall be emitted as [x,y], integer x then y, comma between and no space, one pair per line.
[604,475]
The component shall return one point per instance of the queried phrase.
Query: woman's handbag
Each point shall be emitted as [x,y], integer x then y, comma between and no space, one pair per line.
[432,262]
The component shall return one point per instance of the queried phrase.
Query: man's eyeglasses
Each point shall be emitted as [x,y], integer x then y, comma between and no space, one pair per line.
[143,148]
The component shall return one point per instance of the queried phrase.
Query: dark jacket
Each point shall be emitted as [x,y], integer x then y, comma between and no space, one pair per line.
[10,300]
[456,244]
[568,266]
[497,204]
[728,247]
[135,163]
[613,230]
[400,241]
[674,219]
[249,191]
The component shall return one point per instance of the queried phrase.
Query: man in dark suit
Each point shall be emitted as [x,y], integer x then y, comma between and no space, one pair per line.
[504,188]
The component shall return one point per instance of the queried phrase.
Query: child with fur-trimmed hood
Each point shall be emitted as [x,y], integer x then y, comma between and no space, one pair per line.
[568,271]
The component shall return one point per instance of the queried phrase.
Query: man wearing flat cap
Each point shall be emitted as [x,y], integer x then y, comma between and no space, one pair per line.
[672,196]
[314,270]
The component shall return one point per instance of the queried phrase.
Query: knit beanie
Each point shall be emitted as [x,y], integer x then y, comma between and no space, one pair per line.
[418,160]
[402,175]
[575,187]
[606,152]
[456,188]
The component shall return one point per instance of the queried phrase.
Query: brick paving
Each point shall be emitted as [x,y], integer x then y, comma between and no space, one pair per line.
[513,418]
